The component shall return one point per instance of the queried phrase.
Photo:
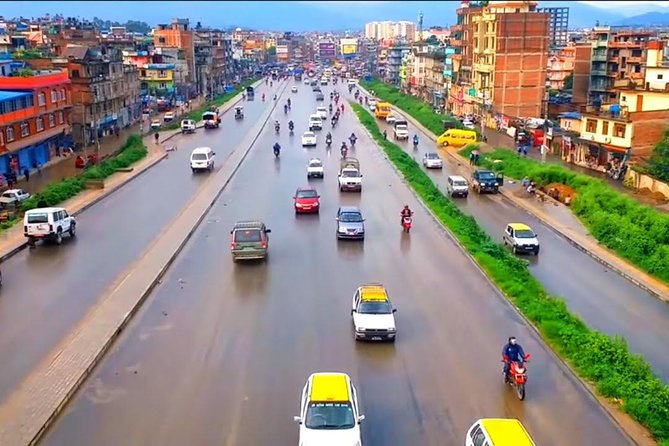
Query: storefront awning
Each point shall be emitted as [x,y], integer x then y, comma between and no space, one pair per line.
[609,147]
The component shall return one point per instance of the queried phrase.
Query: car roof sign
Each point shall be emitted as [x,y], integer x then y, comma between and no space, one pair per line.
[507,432]
[329,387]
[373,292]
[519,227]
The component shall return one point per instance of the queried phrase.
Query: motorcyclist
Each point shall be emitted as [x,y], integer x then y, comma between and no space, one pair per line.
[289,103]
[263,97]
[415,139]
[285,108]
[352,138]
[330,108]
[276,148]
[277,126]
[328,138]
[275,97]
[512,352]
[406,212]
[291,125]
[342,107]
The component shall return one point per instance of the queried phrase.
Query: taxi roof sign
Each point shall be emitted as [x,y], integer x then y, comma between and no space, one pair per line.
[373,292]
[329,387]
[520,226]
[507,432]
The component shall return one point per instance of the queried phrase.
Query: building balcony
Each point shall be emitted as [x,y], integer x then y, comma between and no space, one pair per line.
[613,59]
[457,28]
[633,44]
[599,57]
[600,87]
[600,43]
[600,112]
[634,60]
[484,68]
[457,43]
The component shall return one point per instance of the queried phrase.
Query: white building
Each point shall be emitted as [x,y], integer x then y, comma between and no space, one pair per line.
[389,30]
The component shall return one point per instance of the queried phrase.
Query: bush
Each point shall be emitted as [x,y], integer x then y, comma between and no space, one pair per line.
[595,356]
[635,232]
[196,115]
[132,151]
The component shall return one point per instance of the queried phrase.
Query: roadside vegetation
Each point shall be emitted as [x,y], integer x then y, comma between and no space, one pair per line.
[603,361]
[635,232]
[196,115]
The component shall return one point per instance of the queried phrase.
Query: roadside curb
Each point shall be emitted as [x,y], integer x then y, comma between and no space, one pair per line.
[661,293]
[95,200]
[26,417]
[610,411]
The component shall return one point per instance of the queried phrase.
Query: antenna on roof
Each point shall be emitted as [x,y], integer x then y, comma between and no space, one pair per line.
[420,26]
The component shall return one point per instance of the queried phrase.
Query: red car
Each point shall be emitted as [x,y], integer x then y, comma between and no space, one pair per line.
[306,200]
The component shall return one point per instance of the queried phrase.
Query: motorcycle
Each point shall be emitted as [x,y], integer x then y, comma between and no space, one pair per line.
[344,152]
[518,377]
[328,142]
[276,152]
[276,129]
[285,109]
[406,223]
[352,140]
[415,145]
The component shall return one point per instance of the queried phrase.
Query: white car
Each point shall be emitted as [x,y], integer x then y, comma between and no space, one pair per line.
[373,314]
[155,124]
[391,118]
[306,81]
[188,126]
[169,117]
[521,238]
[315,168]
[322,112]
[48,224]
[315,122]
[329,411]
[13,196]
[431,160]
[294,89]
[308,139]
[469,124]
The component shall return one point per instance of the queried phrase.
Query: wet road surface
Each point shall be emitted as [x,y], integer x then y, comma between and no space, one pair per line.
[605,300]
[221,351]
[53,287]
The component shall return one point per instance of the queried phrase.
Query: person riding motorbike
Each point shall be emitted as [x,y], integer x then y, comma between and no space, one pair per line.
[342,107]
[328,138]
[415,140]
[275,97]
[156,136]
[276,148]
[343,150]
[288,103]
[352,138]
[406,212]
[331,95]
[512,352]
[277,126]
[263,97]
[285,109]
[291,125]
[330,108]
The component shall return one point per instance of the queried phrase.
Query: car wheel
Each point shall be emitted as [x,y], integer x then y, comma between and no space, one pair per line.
[59,237]
[193,170]
[73,229]
[536,252]
[31,242]
[515,249]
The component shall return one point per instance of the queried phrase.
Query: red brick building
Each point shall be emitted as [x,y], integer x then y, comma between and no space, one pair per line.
[34,118]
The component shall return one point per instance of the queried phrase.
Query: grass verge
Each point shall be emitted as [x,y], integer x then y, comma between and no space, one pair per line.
[604,361]
[196,115]
[635,232]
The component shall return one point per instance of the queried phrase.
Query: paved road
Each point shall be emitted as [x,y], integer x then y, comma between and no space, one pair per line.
[220,352]
[53,287]
[605,300]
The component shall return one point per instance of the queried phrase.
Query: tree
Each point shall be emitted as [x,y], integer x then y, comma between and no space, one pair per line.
[569,82]
[658,166]
[271,51]
[432,40]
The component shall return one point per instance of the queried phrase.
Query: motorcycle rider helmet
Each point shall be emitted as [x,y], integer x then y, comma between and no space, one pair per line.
[406,206]
[512,340]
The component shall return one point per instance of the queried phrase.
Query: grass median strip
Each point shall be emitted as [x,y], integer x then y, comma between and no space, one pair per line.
[196,115]
[635,232]
[604,361]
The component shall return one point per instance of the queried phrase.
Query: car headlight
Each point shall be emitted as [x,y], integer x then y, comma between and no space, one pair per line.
[496,183]
[392,329]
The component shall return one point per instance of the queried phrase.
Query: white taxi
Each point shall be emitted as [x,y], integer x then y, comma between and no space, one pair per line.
[322,112]
[521,238]
[329,411]
[308,139]
[315,168]
[373,314]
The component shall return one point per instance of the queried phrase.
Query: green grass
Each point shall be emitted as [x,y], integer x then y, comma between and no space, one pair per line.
[196,115]
[133,150]
[604,361]
[635,232]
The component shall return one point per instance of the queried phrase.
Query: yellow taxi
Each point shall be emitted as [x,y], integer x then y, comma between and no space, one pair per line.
[498,432]
[373,314]
[329,411]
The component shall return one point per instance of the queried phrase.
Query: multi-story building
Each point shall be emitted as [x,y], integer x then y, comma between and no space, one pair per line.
[461,93]
[223,63]
[611,57]
[177,36]
[558,26]
[34,119]
[105,92]
[509,46]
[560,66]
[390,30]
[629,128]
[157,79]
[434,77]
[394,62]
[204,60]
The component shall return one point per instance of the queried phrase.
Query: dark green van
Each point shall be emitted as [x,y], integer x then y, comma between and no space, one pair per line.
[249,240]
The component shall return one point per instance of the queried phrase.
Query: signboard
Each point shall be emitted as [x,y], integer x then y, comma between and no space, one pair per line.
[282,49]
[327,50]
[349,49]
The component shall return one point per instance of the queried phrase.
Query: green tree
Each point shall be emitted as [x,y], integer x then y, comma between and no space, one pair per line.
[569,82]
[658,166]
[271,51]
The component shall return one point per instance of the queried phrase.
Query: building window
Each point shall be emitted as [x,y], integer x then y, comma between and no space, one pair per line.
[162,85]
[39,124]
[41,99]
[161,40]
[10,134]
[25,129]
[52,120]
[62,95]
[54,96]
[162,73]
[660,76]
[2,138]
[591,126]
[605,128]
[619,130]
[60,117]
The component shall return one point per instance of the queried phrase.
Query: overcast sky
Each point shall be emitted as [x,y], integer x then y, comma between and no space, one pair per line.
[612,4]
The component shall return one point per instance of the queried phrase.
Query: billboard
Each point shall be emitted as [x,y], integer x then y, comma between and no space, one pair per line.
[347,49]
[327,49]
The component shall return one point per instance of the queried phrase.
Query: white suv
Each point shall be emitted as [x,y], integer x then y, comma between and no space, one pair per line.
[329,411]
[48,224]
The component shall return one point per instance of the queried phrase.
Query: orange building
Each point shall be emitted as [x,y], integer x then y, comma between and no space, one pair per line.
[560,66]
[34,118]
[177,35]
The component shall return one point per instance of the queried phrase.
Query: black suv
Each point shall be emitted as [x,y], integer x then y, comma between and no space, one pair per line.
[487,181]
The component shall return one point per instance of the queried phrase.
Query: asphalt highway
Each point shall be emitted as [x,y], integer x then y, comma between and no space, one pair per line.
[54,287]
[220,352]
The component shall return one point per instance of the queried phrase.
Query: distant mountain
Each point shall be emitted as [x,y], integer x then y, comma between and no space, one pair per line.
[648,19]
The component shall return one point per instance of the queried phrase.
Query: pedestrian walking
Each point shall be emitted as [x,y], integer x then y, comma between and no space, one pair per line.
[26,173]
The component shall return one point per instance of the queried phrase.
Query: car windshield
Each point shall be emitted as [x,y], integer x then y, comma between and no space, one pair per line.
[433,156]
[375,308]
[315,164]
[198,157]
[309,135]
[208,116]
[247,235]
[38,218]
[350,217]
[524,233]
[486,175]
[329,416]
[459,183]
[349,174]
[307,194]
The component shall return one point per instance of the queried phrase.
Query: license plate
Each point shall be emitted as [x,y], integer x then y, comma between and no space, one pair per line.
[376,338]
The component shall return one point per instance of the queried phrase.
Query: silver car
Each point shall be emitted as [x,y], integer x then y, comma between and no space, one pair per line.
[431,160]
[350,223]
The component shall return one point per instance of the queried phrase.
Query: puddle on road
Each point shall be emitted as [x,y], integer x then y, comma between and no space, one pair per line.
[98,393]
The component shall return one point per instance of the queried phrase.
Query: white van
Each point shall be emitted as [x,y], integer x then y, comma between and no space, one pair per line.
[48,224]
[202,158]
[315,122]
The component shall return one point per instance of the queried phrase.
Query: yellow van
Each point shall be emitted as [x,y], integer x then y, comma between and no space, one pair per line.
[498,432]
[457,137]
[383,109]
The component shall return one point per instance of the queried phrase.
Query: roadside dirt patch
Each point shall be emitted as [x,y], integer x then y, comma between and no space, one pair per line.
[647,196]
[560,192]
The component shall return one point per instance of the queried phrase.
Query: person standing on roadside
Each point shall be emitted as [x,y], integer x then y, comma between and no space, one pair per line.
[26,173]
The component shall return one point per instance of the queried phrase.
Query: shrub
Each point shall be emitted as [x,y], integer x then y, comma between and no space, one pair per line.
[635,232]
[605,361]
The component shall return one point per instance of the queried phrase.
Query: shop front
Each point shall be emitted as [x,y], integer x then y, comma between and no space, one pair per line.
[593,155]
[34,155]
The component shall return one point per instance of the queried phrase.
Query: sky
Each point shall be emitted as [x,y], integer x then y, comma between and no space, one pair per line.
[612,4]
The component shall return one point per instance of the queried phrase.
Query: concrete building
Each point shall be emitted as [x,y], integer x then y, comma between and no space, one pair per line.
[394,62]
[560,65]
[177,36]
[558,26]
[157,79]
[34,119]
[390,30]
[509,56]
